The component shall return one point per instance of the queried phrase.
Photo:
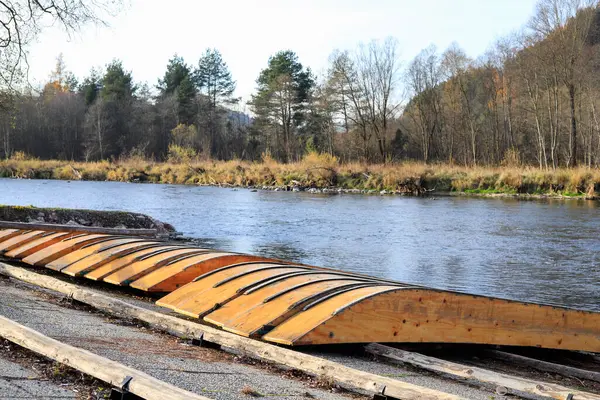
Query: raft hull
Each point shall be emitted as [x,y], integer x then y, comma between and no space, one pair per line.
[294,304]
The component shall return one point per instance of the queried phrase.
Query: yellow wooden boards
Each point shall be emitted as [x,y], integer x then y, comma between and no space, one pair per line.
[424,315]
[176,274]
[20,240]
[37,244]
[294,304]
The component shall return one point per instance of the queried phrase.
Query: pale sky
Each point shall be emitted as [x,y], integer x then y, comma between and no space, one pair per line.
[148,32]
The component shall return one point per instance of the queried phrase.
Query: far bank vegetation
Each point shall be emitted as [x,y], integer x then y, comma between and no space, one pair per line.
[521,118]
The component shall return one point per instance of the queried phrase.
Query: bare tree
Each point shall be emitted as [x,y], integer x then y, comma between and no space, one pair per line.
[21,21]
[566,24]
[424,77]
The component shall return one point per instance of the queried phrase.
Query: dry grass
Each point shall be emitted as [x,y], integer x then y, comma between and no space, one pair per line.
[248,391]
[319,171]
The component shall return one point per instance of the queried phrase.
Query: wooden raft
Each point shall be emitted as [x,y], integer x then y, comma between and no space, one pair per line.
[294,304]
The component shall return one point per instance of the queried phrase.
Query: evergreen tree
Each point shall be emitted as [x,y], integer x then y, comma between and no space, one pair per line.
[179,82]
[284,89]
[215,83]
[90,87]
[214,78]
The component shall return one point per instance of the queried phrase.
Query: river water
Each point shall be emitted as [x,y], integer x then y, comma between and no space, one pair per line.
[541,251]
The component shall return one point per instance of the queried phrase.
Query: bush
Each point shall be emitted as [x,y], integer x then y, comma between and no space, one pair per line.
[180,154]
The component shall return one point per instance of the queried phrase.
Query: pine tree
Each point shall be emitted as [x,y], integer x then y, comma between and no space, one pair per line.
[284,89]
[179,81]
[217,86]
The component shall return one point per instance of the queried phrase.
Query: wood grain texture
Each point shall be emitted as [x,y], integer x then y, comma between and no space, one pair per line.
[92,364]
[57,250]
[340,374]
[20,240]
[479,376]
[37,244]
[171,277]
[420,315]
[111,267]
[136,270]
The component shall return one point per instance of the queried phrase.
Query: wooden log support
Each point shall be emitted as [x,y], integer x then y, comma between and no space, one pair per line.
[545,366]
[345,376]
[76,228]
[106,370]
[479,376]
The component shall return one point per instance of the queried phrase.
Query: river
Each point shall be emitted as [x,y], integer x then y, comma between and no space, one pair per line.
[544,251]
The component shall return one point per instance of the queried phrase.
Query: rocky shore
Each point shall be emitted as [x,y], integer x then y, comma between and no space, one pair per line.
[77,217]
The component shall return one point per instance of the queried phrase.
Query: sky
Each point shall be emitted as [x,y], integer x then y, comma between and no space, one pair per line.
[147,33]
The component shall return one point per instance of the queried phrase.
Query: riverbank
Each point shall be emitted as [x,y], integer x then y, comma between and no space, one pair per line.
[321,173]
[88,218]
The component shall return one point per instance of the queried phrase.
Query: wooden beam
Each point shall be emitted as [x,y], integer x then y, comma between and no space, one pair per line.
[345,376]
[480,376]
[92,364]
[77,228]
[545,366]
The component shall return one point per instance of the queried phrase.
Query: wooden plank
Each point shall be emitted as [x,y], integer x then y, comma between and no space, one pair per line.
[57,250]
[37,244]
[303,328]
[434,316]
[77,255]
[109,268]
[482,377]
[20,240]
[340,374]
[77,228]
[173,276]
[249,314]
[92,364]
[136,270]
[545,366]
[209,297]
[178,297]
[6,234]
[102,257]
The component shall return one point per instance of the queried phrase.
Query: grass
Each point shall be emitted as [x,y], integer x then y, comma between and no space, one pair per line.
[320,171]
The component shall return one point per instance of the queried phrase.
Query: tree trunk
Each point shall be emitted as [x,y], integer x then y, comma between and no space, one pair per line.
[572,93]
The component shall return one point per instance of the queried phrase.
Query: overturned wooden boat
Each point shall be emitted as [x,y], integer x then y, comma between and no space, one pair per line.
[295,304]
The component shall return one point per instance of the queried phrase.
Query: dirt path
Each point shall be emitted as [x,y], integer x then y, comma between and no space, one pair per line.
[209,372]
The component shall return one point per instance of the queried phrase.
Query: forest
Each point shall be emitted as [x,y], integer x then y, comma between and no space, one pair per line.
[531,100]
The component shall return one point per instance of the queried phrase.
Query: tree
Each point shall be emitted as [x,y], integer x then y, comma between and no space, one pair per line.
[179,82]
[284,88]
[23,20]
[458,66]
[566,25]
[217,86]
[214,79]
[424,77]
[378,69]
[90,87]
[108,121]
